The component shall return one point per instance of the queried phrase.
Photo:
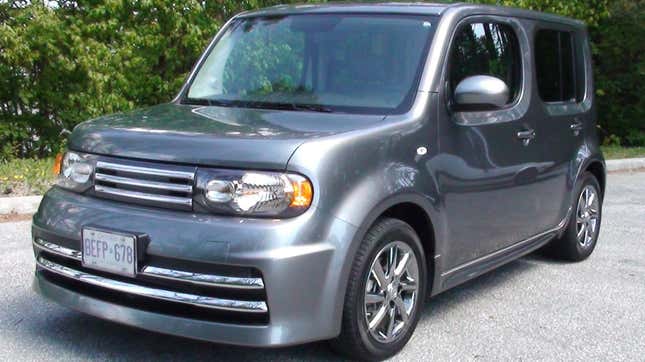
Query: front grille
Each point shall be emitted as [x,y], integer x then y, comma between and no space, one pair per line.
[148,184]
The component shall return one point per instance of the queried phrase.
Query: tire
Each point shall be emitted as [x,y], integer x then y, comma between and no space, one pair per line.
[570,246]
[356,339]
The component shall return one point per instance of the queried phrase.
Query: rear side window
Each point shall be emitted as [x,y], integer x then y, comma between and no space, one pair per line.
[486,49]
[555,66]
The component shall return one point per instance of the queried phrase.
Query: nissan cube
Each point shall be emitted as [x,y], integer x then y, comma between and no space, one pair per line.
[325,170]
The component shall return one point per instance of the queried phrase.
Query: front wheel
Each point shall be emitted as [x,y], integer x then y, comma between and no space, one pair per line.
[385,292]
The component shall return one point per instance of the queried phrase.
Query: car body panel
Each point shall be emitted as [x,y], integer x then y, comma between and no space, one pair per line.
[300,258]
[211,136]
[491,182]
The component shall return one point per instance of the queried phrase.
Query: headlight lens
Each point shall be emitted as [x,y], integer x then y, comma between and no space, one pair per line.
[253,193]
[75,172]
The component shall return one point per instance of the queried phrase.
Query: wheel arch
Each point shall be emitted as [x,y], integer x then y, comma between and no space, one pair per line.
[415,210]
[597,168]
[415,216]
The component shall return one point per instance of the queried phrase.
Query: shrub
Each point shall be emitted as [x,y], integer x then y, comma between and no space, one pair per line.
[620,70]
[62,62]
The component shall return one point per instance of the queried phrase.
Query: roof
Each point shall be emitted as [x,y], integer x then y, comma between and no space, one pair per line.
[419,8]
[392,7]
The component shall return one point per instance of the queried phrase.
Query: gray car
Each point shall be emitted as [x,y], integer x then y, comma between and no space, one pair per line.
[326,169]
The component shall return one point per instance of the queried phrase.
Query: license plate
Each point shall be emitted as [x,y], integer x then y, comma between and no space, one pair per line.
[109,251]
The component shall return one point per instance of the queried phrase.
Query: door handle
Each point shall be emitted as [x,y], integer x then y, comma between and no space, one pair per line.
[526,136]
[576,127]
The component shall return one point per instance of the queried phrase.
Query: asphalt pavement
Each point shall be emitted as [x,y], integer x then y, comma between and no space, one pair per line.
[531,309]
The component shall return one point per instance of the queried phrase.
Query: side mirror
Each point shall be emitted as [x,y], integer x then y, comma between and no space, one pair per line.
[481,91]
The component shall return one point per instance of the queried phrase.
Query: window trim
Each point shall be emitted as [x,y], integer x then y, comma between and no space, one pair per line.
[408,101]
[585,70]
[511,112]
[448,71]
[579,89]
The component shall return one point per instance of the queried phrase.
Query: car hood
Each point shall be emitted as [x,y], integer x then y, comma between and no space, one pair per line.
[212,136]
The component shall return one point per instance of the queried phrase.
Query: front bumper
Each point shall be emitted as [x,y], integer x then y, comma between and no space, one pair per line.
[296,269]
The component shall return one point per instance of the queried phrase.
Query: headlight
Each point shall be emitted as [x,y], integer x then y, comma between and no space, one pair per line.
[75,172]
[253,193]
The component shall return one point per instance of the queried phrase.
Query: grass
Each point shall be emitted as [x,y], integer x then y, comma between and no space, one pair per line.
[21,177]
[615,152]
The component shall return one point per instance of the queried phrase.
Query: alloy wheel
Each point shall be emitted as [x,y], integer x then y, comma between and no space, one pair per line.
[587,216]
[391,291]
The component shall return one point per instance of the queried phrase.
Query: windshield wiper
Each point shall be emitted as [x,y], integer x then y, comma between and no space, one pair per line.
[258,104]
[285,106]
[312,107]
[210,102]
[196,101]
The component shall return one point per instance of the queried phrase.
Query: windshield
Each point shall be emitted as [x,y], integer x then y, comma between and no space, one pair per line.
[326,63]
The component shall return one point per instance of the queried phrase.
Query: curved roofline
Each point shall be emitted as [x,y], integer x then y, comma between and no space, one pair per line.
[394,8]
[418,8]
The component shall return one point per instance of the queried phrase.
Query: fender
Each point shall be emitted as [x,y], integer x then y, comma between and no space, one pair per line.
[405,198]
[365,175]
[585,158]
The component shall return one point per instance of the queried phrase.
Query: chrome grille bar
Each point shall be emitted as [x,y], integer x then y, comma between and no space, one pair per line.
[147,183]
[145,170]
[143,183]
[203,279]
[143,196]
[161,294]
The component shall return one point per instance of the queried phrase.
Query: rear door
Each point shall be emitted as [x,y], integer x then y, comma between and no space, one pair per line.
[564,110]
[489,161]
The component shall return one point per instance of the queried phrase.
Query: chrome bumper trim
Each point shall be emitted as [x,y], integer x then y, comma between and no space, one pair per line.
[167,295]
[203,279]
[45,245]
[209,280]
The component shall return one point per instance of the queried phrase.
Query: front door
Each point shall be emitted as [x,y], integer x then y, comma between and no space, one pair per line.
[489,160]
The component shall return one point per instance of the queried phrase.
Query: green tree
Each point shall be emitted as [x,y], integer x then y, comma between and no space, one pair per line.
[589,11]
[620,72]
[67,61]
[616,28]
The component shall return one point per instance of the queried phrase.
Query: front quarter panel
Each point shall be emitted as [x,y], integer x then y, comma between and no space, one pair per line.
[360,174]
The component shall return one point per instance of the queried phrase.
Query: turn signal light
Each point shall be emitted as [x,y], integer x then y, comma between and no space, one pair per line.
[57,164]
[302,193]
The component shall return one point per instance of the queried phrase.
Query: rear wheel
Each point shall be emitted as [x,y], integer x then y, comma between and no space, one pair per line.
[580,237]
[385,293]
